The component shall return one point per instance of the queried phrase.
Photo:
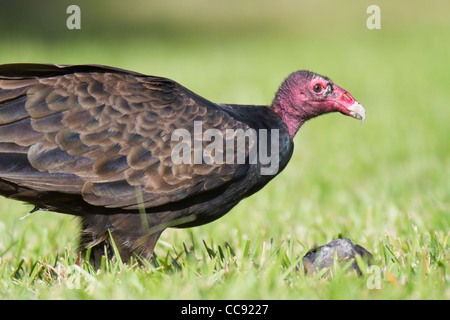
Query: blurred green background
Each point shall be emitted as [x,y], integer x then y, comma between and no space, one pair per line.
[389,177]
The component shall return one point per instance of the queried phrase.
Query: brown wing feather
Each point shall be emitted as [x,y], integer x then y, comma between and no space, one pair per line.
[106,131]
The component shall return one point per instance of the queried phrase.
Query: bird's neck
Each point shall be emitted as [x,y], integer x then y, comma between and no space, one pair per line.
[292,119]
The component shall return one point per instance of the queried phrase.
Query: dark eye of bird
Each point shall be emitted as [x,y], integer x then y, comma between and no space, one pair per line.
[317,88]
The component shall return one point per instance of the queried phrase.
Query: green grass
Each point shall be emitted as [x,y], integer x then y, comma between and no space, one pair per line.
[384,184]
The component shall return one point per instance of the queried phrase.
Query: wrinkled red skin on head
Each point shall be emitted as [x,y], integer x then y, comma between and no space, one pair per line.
[299,99]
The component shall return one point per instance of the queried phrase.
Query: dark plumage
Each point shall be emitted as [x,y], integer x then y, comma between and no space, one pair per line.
[96,142]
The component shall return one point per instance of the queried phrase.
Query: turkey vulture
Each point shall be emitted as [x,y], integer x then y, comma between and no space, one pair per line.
[98,142]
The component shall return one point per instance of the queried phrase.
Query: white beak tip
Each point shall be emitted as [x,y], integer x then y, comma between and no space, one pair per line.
[357,111]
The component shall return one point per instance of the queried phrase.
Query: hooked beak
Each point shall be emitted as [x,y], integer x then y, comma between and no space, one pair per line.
[357,111]
[347,105]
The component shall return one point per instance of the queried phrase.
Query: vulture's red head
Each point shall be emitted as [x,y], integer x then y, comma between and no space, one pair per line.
[305,95]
